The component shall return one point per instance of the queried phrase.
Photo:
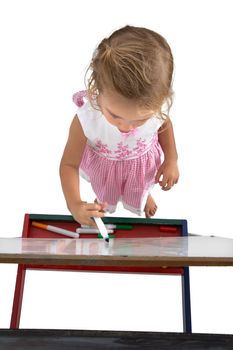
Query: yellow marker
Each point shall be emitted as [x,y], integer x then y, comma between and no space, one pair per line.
[55,229]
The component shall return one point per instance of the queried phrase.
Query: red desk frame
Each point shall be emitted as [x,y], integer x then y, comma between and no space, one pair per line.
[155,228]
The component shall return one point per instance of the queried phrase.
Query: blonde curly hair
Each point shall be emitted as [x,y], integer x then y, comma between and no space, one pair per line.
[135,62]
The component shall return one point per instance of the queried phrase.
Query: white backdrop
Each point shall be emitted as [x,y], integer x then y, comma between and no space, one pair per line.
[46,46]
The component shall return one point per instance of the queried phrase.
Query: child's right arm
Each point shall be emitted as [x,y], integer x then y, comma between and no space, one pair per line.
[69,174]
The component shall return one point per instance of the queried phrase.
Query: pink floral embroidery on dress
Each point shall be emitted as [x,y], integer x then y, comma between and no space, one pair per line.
[102,148]
[123,151]
[141,146]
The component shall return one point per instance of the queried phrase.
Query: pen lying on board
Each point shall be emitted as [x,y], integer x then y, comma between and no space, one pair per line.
[113,226]
[55,229]
[91,230]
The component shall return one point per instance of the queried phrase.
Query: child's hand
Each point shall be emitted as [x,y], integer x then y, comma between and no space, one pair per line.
[167,175]
[83,212]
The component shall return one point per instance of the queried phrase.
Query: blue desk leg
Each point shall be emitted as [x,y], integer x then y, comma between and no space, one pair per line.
[186,298]
[187,321]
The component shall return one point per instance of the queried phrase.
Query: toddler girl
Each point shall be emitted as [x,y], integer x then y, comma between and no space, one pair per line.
[120,131]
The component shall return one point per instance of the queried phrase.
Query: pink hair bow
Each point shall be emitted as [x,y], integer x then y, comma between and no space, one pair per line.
[78,98]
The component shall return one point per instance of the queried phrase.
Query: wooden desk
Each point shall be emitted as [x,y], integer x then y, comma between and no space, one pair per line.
[149,251]
[84,250]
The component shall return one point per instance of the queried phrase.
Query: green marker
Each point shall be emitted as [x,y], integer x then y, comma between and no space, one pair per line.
[109,236]
[119,227]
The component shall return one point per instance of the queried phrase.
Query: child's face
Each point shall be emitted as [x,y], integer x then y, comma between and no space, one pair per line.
[122,112]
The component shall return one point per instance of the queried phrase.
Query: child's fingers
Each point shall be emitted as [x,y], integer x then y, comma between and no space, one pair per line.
[176,181]
[93,210]
[96,206]
[89,219]
[90,223]
[96,215]
[104,204]
[157,176]
[163,182]
[168,185]
[93,206]
[103,207]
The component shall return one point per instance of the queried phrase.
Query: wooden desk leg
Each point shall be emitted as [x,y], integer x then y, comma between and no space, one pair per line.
[186,301]
[18,297]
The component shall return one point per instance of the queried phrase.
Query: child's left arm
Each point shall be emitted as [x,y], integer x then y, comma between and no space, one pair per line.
[168,173]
